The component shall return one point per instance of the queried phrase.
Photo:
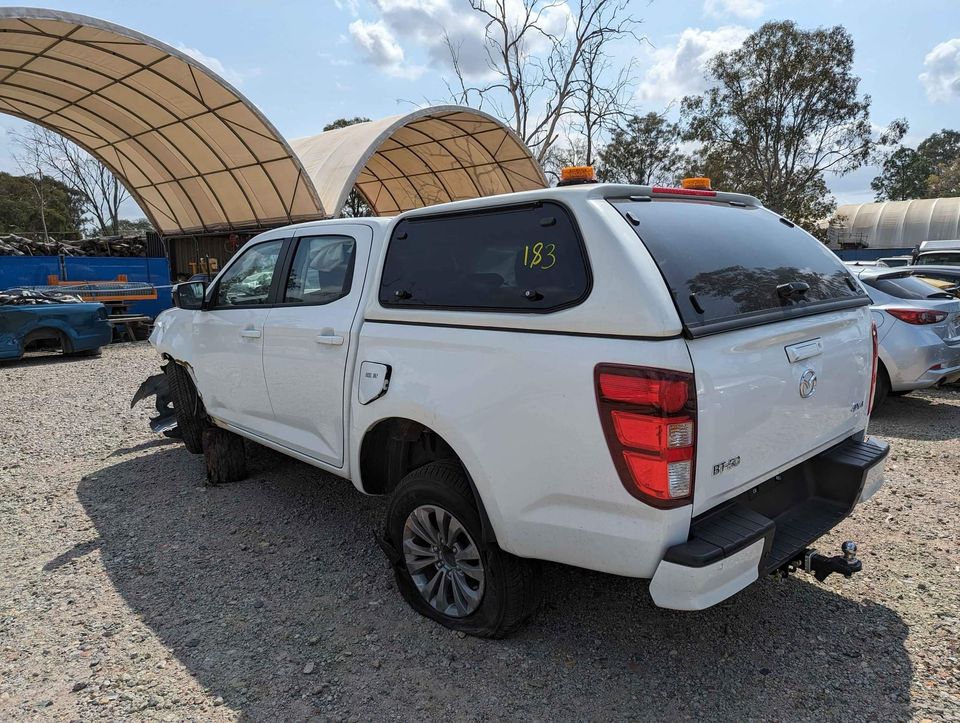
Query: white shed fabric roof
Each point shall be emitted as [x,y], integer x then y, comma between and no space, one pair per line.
[901,224]
[433,155]
[199,157]
[195,154]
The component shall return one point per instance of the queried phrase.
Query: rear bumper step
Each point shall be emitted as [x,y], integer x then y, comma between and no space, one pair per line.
[776,521]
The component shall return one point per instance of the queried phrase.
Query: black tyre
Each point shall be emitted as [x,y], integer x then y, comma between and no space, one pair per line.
[187,406]
[224,455]
[882,389]
[445,571]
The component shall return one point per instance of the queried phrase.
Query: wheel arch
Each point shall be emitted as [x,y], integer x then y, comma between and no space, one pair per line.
[48,330]
[392,447]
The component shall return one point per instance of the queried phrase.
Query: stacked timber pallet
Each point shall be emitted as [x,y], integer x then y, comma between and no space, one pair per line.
[13,245]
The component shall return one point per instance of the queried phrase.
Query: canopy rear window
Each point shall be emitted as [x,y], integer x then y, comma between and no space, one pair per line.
[732,266]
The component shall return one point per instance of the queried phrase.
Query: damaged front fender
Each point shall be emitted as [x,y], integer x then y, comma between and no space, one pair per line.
[158,386]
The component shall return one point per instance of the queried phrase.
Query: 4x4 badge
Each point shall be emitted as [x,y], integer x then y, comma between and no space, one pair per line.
[808,383]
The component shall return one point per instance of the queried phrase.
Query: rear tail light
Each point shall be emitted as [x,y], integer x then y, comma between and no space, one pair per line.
[876,361]
[649,421]
[918,316]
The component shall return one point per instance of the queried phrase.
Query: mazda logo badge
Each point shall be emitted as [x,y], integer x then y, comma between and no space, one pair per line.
[808,383]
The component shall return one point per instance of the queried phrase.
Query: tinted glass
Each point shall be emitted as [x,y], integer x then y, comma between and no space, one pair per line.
[722,262]
[514,259]
[906,287]
[321,271]
[247,281]
[944,259]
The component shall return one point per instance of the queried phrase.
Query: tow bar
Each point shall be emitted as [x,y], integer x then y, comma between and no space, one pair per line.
[821,566]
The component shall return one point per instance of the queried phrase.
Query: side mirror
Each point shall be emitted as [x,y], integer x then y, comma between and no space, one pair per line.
[189,295]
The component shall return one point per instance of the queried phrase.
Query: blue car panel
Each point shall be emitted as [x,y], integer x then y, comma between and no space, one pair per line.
[80,327]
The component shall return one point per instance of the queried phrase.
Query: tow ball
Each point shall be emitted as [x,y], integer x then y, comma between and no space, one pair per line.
[821,566]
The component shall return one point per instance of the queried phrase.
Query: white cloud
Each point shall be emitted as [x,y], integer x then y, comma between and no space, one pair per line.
[428,25]
[379,47]
[738,8]
[351,6]
[942,77]
[230,75]
[679,70]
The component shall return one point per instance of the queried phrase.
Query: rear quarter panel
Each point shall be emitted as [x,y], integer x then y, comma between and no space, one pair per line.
[520,410]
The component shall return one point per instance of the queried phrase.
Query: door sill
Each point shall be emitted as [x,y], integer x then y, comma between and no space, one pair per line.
[243,432]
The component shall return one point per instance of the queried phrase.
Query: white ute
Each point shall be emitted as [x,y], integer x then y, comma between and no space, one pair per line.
[671,384]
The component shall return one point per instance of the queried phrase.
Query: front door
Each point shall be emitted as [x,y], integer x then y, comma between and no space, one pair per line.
[229,338]
[306,339]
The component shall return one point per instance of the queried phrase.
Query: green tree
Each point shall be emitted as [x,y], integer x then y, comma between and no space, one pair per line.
[926,172]
[783,110]
[644,150]
[904,176]
[344,122]
[942,148]
[356,205]
[945,182]
[20,211]
[128,227]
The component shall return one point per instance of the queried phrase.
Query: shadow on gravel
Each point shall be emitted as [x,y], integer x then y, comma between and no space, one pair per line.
[274,595]
[39,359]
[920,416]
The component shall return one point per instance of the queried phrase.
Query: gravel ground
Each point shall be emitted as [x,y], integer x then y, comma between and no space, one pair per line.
[130,591]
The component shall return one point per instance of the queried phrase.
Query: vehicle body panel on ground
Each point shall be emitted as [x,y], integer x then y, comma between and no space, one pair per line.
[73,328]
[542,342]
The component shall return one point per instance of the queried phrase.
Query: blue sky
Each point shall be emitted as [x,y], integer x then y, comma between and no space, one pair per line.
[312,62]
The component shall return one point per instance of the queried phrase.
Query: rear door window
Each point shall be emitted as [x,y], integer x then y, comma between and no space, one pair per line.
[514,259]
[731,266]
[321,271]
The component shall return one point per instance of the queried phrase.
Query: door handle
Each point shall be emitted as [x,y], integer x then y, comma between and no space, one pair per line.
[331,339]
[250,333]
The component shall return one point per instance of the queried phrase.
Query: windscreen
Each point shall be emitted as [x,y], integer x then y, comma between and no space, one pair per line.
[730,266]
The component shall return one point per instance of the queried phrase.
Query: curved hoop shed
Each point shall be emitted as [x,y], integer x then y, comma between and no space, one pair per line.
[899,224]
[200,158]
[195,154]
[432,155]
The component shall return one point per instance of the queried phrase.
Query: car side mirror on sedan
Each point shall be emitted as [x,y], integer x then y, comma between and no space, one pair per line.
[189,294]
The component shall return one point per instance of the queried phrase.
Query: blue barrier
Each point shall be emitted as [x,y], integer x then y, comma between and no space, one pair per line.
[870,254]
[34,270]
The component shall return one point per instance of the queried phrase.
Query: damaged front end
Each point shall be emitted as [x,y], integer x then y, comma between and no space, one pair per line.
[158,386]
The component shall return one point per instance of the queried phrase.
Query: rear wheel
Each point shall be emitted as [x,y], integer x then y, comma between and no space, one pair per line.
[187,406]
[444,571]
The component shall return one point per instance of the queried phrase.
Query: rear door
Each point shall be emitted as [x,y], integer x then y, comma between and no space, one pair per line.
[778,332]
[307,338]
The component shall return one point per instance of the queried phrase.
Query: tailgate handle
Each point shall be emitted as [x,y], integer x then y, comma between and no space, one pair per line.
[804,350]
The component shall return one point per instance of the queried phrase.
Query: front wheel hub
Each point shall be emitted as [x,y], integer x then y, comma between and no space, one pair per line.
[443,561]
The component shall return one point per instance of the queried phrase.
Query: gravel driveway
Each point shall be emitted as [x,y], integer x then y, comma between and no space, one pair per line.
[131,591]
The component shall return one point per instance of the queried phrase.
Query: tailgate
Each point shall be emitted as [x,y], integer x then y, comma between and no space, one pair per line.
[773,395]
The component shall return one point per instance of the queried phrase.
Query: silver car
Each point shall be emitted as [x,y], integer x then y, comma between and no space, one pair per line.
[919,330]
